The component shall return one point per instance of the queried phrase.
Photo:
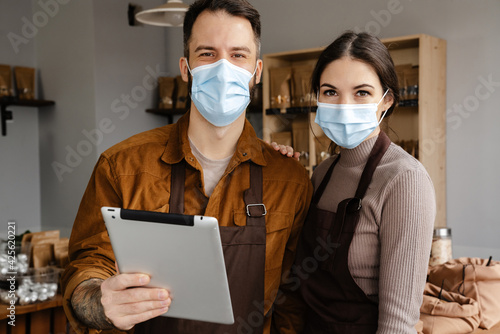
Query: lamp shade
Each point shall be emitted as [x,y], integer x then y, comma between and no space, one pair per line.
[170,14]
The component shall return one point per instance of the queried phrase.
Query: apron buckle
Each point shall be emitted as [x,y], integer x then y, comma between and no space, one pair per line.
[354,205]
[264,210]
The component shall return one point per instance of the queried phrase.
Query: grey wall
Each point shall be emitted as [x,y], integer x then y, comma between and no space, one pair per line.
[471,29]
[19,171]
[97,64]
[66,55]
[128,61]
[89,59]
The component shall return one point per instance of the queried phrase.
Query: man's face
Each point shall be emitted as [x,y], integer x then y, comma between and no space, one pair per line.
[218,35]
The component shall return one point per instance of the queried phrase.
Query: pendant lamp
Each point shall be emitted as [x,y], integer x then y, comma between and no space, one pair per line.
[170,14]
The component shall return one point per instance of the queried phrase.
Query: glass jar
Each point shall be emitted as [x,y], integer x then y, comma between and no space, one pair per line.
[441,251]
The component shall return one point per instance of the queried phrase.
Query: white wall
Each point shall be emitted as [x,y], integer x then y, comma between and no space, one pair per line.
[19,172]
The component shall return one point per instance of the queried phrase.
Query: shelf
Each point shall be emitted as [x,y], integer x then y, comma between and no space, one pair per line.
[23,309]
[6,101]
[170,113]
[290,112]
[422,119]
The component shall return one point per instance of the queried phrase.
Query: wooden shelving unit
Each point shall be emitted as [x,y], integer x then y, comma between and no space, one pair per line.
[6,101]
[38,318]
[425,123]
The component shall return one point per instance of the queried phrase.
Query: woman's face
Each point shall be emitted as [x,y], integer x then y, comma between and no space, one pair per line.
[350,81]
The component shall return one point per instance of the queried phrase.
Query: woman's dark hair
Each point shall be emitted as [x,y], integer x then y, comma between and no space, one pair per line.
[241,8]
[366,48]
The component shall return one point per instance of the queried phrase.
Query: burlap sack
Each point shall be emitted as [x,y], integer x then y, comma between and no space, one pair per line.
[471,278]
[444,312]
[419,327]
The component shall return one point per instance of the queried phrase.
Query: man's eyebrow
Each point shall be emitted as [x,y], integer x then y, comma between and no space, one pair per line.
[204,47]
[241,48]
[234,48]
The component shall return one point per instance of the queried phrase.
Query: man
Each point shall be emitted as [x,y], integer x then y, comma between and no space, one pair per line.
[215,153]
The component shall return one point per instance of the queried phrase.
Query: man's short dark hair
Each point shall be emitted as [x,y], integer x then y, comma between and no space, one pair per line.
[241,8]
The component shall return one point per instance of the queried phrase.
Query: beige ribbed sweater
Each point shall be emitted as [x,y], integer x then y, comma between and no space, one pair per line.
[389,254]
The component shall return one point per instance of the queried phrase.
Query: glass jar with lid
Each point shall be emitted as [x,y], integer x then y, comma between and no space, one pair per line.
[441,250]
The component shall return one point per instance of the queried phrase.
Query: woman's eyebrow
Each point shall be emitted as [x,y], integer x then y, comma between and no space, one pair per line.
[328,85]
[363,85]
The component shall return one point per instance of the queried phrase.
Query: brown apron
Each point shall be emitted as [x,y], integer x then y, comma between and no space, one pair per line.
[336,303]
[244,254]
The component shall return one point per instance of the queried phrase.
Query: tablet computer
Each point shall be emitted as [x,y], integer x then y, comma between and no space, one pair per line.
[181,253]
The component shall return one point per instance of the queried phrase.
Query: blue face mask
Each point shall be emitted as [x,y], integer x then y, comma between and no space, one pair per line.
[348,124]
[220,91]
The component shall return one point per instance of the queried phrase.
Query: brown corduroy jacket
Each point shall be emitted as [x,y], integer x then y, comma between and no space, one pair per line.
[135,174]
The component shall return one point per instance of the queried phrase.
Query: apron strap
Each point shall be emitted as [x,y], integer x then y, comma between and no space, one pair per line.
[319,192]
[376,155]
[348,210]
[254,206]
[177,188]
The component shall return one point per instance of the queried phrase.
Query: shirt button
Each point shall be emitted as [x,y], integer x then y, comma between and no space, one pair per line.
[244,154]
[190,158]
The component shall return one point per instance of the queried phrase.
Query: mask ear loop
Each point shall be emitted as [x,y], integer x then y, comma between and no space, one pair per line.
[187,64]
[385,112]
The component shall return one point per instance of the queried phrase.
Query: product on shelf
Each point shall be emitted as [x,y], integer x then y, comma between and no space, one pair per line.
[25,82]
[166,86]
[280,87]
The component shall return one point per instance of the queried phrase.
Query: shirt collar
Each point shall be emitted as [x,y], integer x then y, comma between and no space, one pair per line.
[177,148]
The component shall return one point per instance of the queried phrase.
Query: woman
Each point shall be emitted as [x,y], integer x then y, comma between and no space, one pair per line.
[366,242]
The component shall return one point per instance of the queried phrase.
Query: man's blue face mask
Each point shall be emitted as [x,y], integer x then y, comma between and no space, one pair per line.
[220,91]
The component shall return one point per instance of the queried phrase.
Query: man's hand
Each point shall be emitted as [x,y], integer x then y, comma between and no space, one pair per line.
[126,303]
[286,150]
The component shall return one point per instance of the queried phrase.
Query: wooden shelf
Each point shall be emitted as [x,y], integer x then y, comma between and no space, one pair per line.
[23,309]
[424,122]
[6,101]
[37,318]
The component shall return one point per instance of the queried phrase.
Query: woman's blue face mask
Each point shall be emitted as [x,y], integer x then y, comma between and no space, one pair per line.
[220,91]
[348,124]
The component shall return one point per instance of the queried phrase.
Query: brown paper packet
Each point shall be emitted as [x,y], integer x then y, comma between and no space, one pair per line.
[25,82]
[301,88]
[61,252]
[5,80]
[182,93]
[39,238]
[401,70]
[43,255]
[166,86]
[280,78]
[411,83]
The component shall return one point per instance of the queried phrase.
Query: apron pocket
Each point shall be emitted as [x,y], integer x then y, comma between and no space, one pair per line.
[278,226]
